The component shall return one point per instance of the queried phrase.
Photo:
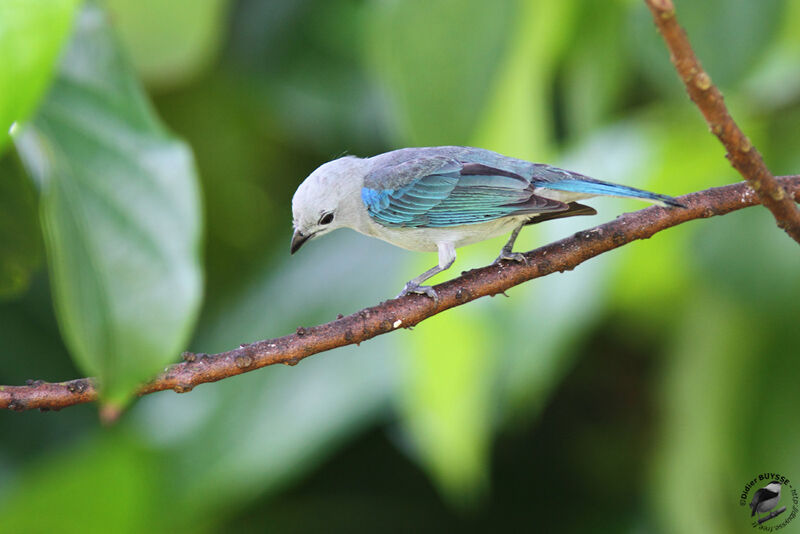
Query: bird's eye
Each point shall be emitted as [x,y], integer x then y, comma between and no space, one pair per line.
[326,219]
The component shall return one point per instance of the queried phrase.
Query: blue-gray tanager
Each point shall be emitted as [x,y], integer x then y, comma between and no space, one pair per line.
[441,198]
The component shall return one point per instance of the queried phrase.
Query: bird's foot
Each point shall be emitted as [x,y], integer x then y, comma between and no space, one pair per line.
[507,255]
[420,290]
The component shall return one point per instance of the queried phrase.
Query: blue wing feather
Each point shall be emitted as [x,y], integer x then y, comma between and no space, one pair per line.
[439,192]
[448,186]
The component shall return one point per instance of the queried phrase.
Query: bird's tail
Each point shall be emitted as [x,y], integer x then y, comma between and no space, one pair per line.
[590,186]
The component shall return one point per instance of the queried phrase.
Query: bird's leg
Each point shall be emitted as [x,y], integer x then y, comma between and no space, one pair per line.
[447,255]
[506,254]
[413,285]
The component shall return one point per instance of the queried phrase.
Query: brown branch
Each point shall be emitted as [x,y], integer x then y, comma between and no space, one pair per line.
[408,311]
[740,151]
[773,514]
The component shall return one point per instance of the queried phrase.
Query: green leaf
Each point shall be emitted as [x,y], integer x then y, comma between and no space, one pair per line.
[169,42]
[121,216]
[20,238]
[30,38]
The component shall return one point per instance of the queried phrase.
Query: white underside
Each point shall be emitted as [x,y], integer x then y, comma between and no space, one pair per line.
[428,239]
[769,504]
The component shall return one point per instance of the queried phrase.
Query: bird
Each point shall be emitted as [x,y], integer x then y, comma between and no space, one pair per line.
[437,199]
[766,498]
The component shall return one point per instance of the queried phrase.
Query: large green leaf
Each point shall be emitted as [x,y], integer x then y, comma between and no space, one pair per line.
[120,213]
[31,34]
[20,238]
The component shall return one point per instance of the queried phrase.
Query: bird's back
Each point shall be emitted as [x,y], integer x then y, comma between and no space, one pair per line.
[463,154]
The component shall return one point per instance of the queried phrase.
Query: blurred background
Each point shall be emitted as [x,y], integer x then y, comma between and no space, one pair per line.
[638,393]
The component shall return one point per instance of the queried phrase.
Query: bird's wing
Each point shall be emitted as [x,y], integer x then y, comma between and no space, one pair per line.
[756,499]
[439,191]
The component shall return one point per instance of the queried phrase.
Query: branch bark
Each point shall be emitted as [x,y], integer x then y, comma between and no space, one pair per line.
[740,151]
[773,514]
[408,311]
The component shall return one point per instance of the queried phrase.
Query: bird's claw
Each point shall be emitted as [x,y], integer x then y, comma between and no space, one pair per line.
[420,290]
[507,255]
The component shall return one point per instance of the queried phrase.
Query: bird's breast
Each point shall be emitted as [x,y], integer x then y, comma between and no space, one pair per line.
[427,239]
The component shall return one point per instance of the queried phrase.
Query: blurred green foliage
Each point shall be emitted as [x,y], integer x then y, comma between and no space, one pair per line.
[20,239]
[169,42]
[595,400]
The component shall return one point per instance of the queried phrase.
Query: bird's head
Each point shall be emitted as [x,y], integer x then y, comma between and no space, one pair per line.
[325,200]
[774,486]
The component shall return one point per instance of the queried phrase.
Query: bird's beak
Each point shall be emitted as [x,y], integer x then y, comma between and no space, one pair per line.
[297,241]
